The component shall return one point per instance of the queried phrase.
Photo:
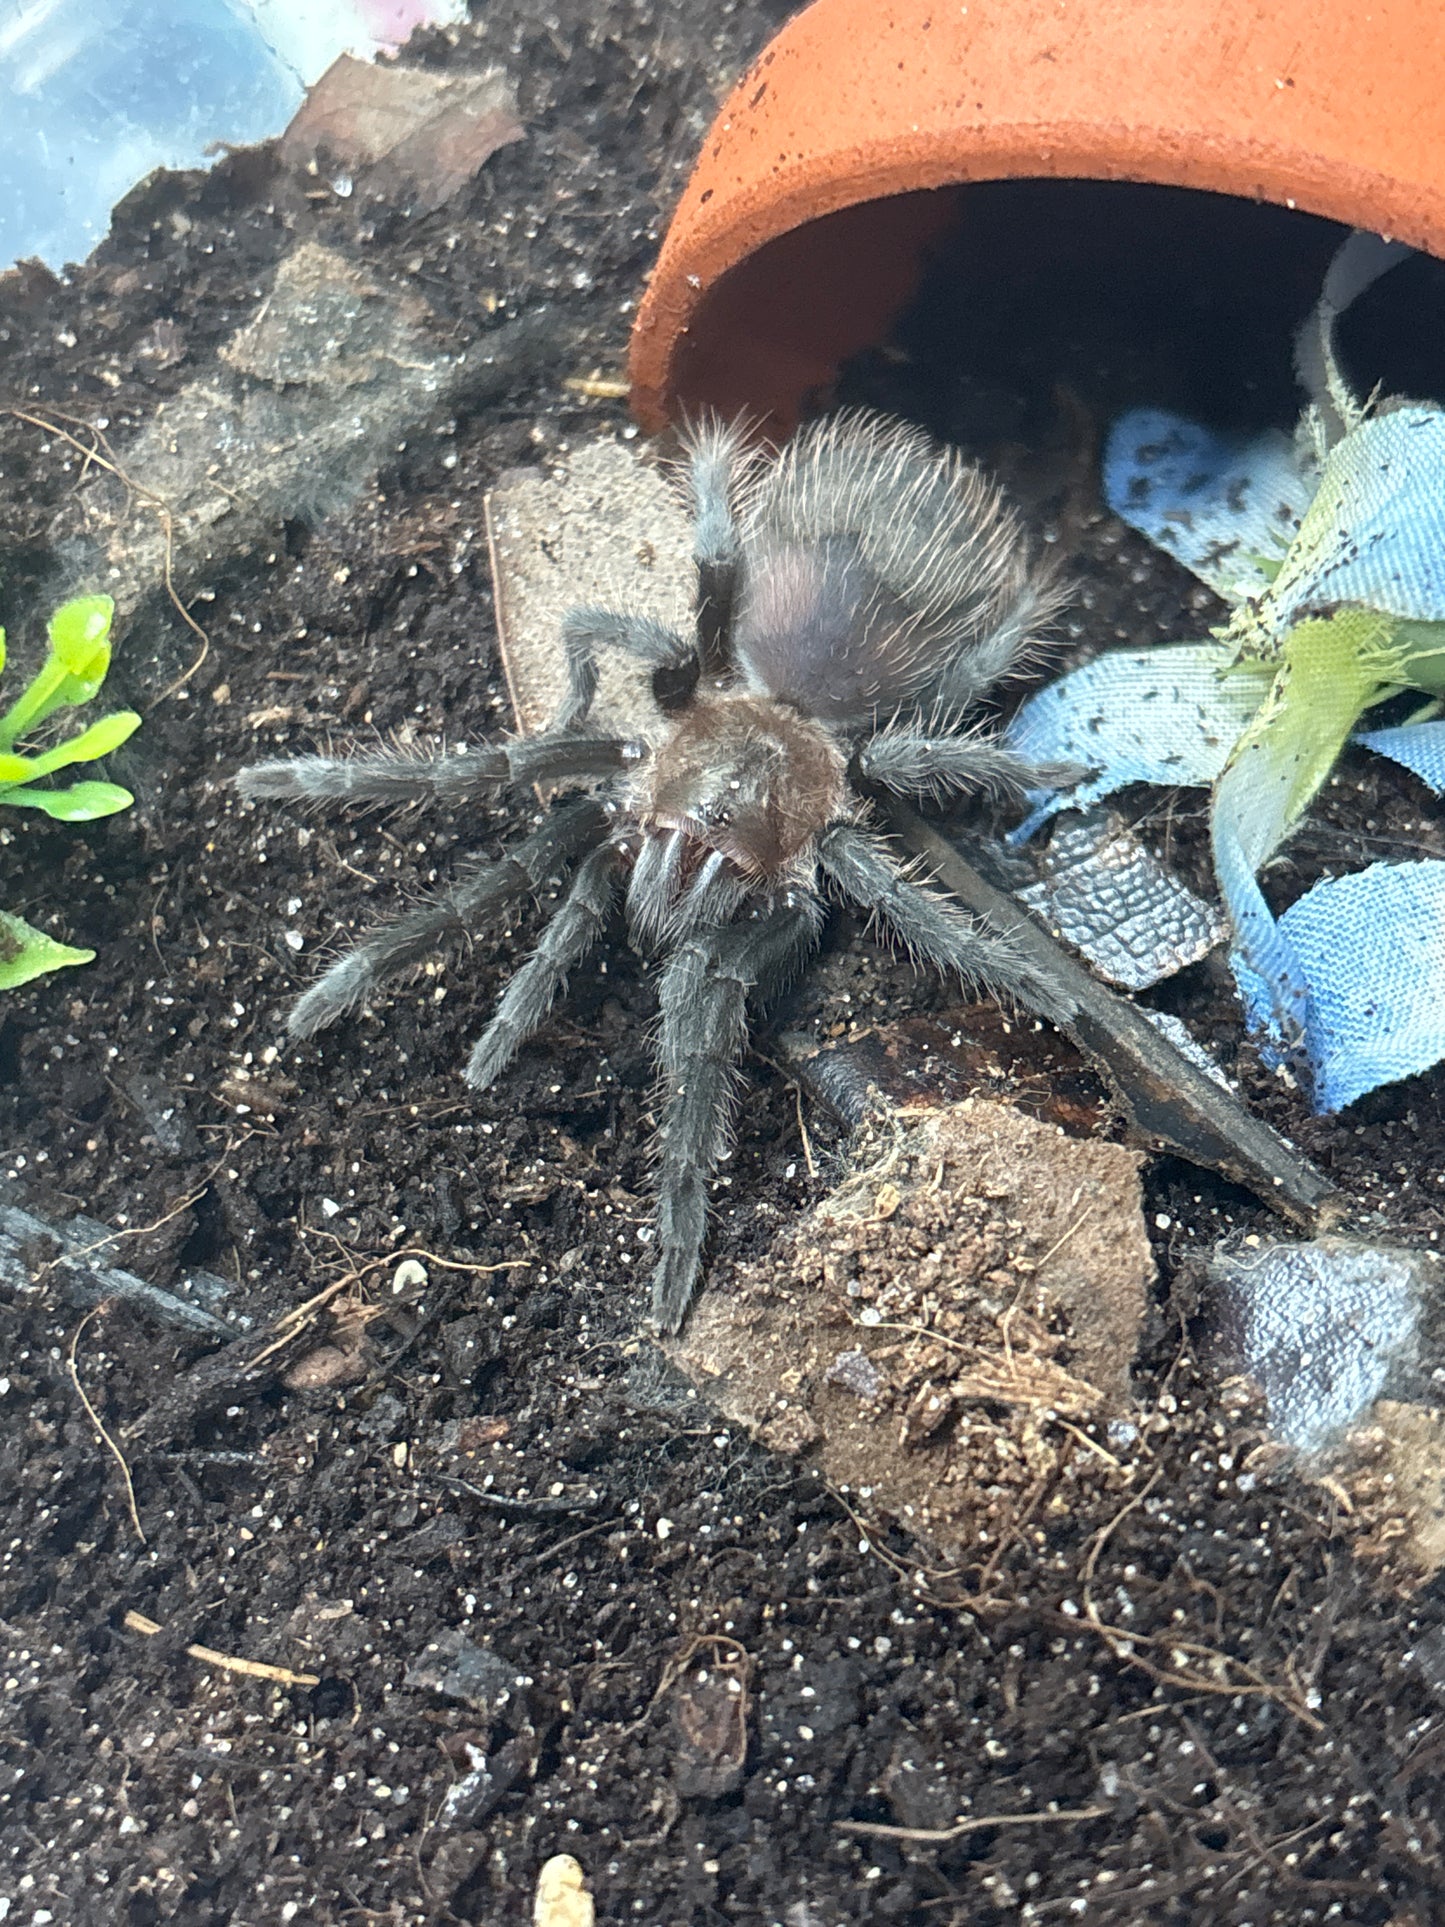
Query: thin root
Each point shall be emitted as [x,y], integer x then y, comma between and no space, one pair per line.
[105,1438]
[108,462]
[939,1836]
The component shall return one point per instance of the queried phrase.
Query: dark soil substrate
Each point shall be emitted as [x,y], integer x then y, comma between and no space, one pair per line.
[515,1463]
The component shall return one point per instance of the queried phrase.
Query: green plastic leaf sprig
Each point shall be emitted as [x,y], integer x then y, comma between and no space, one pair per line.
[72,673]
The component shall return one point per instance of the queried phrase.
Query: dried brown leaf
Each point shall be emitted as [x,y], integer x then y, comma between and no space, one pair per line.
[417,136]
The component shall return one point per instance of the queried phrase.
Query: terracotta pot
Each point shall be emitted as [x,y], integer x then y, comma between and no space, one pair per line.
[840,156]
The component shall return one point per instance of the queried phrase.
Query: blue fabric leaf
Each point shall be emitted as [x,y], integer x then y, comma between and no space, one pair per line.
[1370,949]
[1217,503]
[1336,565]
[1168,715]
[1375,533]
[1273,985]
[1327,679]
[1419,746]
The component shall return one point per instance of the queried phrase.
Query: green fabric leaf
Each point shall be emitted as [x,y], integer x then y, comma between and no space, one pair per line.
[88,747]
[1422,649]
[99,738]
[1331,673]
[26,953]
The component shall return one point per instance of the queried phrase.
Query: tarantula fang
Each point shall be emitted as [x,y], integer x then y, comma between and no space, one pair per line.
[857,594]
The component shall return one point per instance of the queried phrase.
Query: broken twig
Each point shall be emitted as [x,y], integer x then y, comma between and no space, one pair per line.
[228,1662]
[1170,1103]
[83,1280]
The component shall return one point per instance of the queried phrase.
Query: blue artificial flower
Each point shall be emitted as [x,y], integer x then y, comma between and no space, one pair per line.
[1331,550]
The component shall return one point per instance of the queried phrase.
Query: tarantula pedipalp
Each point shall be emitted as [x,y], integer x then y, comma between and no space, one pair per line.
[857,594]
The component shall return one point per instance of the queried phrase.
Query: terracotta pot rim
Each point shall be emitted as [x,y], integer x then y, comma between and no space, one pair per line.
[855,102]
[1081,152]
[1299,179]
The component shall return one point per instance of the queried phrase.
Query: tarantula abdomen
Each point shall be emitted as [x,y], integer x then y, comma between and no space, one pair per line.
[857,594]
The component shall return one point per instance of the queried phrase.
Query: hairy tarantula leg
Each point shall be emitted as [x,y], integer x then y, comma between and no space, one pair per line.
[565,941]
[913,762]
[713,897]
[581,692]
[584,631]
[674,662]
[409,776]
[933,928]
[704,995]
[715,455]
[589,629]
[410,939]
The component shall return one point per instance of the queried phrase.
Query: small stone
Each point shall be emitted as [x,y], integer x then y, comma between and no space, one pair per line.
[327,1368]
[386,1420]
[470,1799]
[562,1897]
[1318,1326]
[855,1372]
[410,1275]
[459,1669]
[709,1718]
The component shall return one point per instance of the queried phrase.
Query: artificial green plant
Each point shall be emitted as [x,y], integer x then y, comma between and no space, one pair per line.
[74,668]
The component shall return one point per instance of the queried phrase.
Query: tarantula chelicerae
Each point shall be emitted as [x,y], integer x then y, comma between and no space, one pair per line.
[857,594]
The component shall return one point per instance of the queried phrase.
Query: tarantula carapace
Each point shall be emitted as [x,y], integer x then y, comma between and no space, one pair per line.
[857,594]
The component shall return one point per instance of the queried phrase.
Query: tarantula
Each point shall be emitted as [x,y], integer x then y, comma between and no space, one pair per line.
[856,595]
